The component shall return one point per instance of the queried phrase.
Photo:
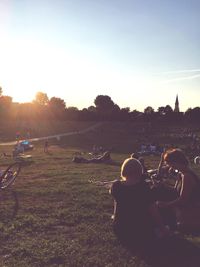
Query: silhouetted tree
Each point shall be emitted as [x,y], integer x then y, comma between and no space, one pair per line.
[57,106]
[106,108]
[148,110]
[168,109]
[104,102]
[57,103]
[161,111]
[123,114]
[193,114]
[72,113]
[5,106]
[136,115]
[92,109]
[41,98]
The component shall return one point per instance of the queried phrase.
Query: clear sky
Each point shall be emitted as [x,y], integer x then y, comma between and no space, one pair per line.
[140,53]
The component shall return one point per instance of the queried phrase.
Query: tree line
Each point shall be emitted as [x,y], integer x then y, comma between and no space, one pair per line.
[103,109]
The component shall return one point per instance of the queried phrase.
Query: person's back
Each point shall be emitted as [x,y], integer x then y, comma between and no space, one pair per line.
[132,217]
[133,206]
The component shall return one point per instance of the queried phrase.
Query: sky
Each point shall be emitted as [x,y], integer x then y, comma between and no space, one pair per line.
[140,53]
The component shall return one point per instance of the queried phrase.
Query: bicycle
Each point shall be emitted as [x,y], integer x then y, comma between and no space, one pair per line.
[8,176]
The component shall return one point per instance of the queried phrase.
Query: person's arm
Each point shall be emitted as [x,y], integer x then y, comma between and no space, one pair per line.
[160,165]
[186,190]
[158,220]
[112,187]
[114,192]
[114,210]
[177,181]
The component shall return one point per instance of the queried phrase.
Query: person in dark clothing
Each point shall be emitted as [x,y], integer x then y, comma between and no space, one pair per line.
[135,219]
[187,203]
[46,146]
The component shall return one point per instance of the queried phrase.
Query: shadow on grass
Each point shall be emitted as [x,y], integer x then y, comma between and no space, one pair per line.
[9,204]
[173,252]
[27,163]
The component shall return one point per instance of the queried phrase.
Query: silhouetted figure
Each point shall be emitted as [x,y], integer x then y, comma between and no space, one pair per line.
[46,146]
[136,221]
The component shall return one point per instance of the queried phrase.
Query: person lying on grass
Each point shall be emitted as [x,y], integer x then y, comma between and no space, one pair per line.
[136,219]
[187,203]
[105,158]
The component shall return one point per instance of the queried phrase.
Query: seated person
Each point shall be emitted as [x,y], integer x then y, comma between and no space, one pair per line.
[135,214]
[187,203]
[18,149]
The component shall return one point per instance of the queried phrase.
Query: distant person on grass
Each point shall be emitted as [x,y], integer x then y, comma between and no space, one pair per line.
[136,219]
[105,158]
[17,136]
[46,146]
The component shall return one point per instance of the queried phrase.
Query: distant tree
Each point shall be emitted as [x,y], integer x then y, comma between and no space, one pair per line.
[106,108]
[165,110]
[5,106]
[72,109]
[1,91]
[148,110]
[5,101]
[91,108]
[24,111]
[88,114]
[193,114]
[116,108]
[188,110]
[161,110]
[72,113]
[122,114]
[168,109]
[135,114]
[56,103]
[41,98]
[57,107]
[103,103]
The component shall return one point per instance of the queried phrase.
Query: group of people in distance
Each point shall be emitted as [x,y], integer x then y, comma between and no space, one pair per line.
[144,214]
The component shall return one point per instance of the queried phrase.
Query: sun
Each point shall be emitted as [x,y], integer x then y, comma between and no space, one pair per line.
[22,96]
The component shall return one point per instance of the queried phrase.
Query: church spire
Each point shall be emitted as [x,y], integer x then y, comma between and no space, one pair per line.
[176,109]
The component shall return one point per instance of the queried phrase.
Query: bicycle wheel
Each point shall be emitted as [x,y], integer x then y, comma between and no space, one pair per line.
[9,175]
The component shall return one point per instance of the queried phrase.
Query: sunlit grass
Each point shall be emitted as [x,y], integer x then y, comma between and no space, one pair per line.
[61,219]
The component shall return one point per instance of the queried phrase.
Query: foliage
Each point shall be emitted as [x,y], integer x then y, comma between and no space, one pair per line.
[61,219]
[104,110]
[41,98]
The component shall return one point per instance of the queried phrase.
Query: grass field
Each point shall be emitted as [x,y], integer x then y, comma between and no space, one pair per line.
[53,216]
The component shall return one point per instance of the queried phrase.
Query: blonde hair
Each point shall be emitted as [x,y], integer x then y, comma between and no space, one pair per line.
[131,167]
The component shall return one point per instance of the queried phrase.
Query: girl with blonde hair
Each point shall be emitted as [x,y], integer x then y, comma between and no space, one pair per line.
[135,215]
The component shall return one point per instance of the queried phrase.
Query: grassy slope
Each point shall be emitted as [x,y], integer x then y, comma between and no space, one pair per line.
[8,129]
[62,219]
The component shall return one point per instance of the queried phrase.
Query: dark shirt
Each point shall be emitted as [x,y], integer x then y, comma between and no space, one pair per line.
[132,219]
[195,193]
